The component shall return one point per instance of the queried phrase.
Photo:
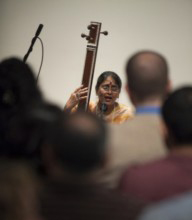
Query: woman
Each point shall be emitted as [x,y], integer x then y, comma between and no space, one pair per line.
[108,88]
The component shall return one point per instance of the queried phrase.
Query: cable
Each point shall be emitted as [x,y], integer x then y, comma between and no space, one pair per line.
[42,57]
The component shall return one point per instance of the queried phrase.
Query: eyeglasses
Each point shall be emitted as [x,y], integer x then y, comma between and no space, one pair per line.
[113,88]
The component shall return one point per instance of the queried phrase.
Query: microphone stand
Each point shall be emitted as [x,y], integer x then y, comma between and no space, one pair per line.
[33,42]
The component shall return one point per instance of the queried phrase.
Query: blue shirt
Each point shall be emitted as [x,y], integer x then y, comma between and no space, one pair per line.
[148,110]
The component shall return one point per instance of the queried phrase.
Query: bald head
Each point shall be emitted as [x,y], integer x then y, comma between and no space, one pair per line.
[147,75]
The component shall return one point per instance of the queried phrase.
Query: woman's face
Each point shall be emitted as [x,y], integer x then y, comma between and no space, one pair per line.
[108,91]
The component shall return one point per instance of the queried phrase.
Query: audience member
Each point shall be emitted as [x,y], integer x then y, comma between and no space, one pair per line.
[24,115]
[27,131]
[18,92]
[177,208]
[18,192]
[172,175]
[25,119]
[18,86]
[138,140]
[74,151]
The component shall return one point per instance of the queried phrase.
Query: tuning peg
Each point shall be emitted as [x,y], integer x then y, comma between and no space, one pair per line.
[104,32]
[89,27]
[85,36]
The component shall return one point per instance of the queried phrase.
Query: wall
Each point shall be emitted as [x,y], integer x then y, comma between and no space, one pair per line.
[161,25]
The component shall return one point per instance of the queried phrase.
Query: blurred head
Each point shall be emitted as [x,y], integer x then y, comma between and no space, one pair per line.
[79,146]
[147,76]
[27,131]
[18,93]
[108,87]
[177,116]
[18,86]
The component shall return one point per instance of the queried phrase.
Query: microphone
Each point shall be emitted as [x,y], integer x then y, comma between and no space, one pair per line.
[39,30]
[103,107]
[33,42]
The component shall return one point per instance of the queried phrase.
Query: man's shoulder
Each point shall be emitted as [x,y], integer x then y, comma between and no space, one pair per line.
[146,118]
[155,170]
[142,133]
[178,207]
[138,122]
[149,167]
[156,180]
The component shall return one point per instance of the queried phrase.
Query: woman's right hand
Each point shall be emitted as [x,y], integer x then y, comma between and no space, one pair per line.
[79,94]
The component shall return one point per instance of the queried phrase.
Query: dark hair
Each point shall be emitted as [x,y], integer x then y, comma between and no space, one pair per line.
[18,86]
[177,114]
[147,75]
[18,94]
[28,130]
[104,76]
[80,148]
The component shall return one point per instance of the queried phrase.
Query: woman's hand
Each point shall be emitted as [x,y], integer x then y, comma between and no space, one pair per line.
[79,94]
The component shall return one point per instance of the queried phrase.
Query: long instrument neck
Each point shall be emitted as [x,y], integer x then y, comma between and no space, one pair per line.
[90,61]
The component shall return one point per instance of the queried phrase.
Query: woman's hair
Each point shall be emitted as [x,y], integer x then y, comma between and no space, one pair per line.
[104,76]
[18,86]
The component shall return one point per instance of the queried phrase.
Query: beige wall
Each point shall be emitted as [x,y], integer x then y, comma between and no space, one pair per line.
[161,25]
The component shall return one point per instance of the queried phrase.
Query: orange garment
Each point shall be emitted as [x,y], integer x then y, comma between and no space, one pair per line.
[119,114]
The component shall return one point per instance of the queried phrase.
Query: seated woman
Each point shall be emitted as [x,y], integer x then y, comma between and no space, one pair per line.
[108,88]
